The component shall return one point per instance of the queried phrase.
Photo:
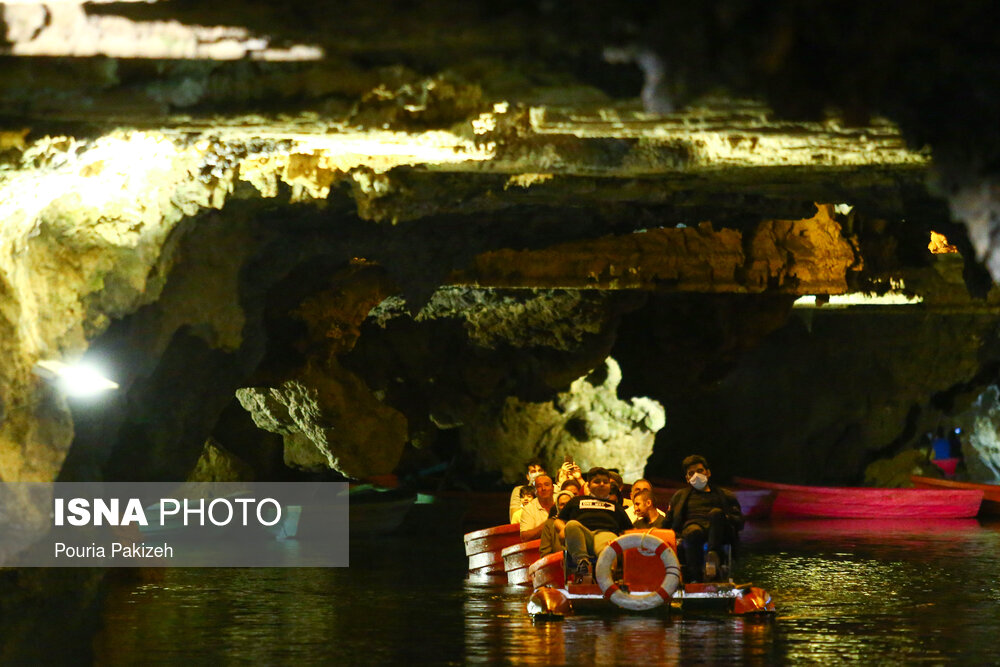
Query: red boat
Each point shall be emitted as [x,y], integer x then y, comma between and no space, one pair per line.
[830,502]
[517,559]
[485,547]
[991,492]
[636,572]
[755,503]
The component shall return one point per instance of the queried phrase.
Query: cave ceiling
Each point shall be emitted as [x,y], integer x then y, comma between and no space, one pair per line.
[179,181]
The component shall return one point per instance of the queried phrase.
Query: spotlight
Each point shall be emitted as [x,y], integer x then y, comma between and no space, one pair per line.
[74,379]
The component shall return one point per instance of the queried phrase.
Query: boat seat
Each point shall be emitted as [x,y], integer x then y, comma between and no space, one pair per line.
[726,557]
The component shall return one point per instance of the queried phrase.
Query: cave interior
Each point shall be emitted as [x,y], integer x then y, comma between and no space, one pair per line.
[364,240]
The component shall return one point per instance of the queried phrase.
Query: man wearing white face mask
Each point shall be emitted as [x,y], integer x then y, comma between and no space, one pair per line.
[701,513]
[535,468]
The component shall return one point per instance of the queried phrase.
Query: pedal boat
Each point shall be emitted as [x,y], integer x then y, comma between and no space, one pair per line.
[637,572]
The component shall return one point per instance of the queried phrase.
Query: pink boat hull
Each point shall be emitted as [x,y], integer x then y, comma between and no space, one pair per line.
[991,492]
[801,502]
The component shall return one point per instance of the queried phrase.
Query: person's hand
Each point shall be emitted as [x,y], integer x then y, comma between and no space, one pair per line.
[564,472]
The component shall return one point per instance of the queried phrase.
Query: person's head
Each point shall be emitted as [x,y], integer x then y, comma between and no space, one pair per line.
[696,471]
[527,494]
[615,493]
[640,485]
[616,479]
[643,500]
[562,498]
[599,482]
[573,486]
[535,468]
[543,488]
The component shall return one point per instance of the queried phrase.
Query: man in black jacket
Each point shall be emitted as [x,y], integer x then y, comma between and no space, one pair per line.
[699,513]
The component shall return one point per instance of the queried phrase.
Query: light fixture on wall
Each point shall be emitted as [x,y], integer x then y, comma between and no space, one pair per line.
[80,379]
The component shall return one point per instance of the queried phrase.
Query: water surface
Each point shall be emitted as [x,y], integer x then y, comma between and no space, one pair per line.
[873,592]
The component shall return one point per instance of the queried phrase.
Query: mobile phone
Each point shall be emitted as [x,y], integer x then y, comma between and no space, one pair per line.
[568,459]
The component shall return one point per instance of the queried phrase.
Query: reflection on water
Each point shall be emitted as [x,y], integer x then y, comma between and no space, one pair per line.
[497,631]
[881,591]
[845,590]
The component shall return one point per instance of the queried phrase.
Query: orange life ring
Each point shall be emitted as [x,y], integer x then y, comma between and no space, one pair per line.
[637,602]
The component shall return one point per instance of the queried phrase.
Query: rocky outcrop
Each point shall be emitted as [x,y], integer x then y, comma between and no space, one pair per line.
[217,464]
[83,247]
[491,318]
[587,423]
[982,453]
[807,256]
[808,408]
[469,348]
[329,418]
[895,473]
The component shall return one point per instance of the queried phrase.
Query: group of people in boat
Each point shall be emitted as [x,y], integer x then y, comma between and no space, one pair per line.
[582,514]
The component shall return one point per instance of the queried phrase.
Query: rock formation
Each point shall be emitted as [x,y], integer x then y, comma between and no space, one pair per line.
[982,447]
[589,423]
[329,419]
[217,464]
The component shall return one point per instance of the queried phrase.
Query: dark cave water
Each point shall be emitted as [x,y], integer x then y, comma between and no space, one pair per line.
[871,592]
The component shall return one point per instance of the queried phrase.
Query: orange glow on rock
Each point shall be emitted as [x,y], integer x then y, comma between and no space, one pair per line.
[939,244]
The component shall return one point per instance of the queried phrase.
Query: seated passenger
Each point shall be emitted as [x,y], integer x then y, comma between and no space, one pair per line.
[551,541]
[535,513]
[588,523]
[637,486]
[647,516]
[573,486]
[527,494]
[535,468]
[702,513]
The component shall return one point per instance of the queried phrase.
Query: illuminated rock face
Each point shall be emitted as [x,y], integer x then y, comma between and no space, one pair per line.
[589,423]
[81,249]
[349,429]
[981,446]
[797,256]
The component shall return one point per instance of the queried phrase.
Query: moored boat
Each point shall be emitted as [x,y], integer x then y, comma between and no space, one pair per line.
[991,492]
[833,502]
[638,571]
[755,503]
[378,512]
